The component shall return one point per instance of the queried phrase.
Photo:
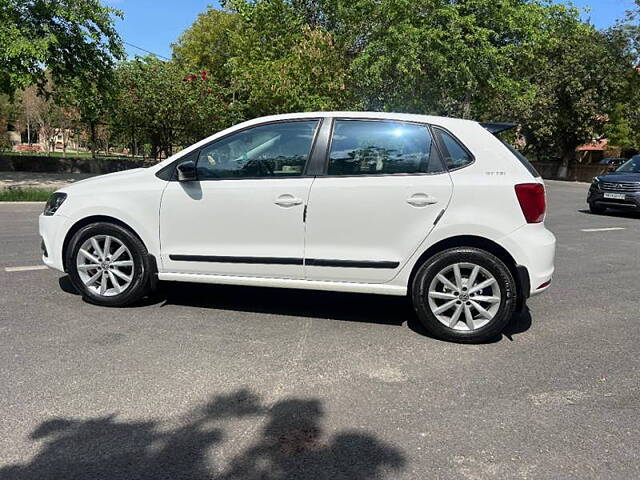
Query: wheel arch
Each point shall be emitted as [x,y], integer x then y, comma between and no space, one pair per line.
[87,221]
[482,243]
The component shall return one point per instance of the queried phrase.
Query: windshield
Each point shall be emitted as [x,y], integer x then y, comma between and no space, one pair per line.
[632,166]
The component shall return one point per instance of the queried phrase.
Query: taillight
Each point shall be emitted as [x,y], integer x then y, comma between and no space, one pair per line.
[532,201]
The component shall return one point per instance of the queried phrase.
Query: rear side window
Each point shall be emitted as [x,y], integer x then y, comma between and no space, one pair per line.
[455,154]
[523,160]
[366,147]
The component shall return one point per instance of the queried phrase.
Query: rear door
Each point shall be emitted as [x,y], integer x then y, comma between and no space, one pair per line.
[384,188]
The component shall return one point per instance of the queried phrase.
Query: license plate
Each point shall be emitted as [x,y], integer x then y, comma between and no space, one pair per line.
[615,196]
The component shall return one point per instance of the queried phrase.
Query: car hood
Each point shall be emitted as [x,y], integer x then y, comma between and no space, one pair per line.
[101,179]
[620,177]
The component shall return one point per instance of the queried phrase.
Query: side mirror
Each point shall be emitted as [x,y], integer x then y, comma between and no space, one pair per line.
[187,171]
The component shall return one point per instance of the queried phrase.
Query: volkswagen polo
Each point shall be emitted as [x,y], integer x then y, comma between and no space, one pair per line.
[438,209]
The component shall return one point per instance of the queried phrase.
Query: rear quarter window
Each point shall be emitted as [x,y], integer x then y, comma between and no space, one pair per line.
[456,155]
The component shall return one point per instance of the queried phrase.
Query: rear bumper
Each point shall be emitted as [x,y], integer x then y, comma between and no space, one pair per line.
[533,247]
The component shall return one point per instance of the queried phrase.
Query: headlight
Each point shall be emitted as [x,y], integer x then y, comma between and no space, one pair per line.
[54,202]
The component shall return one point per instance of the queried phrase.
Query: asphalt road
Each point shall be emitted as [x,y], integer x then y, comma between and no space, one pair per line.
[247,383]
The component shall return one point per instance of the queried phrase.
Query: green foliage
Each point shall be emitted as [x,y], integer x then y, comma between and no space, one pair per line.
[620,130]
[72,40]
[531,61]
[207,43]
[275,61]
[163,105]
[583,74]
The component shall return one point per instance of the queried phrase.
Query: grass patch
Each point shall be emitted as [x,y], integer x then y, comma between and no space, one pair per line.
[25,194]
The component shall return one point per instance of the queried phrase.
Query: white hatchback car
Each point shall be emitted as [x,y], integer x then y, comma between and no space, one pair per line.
[438,209]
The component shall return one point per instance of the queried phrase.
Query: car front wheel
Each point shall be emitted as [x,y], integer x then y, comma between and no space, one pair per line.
[108,265]
[597,209]
[464,294]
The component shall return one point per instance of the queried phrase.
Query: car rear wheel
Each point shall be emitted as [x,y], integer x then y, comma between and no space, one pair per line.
[464,294]
[108,265]
[597,209]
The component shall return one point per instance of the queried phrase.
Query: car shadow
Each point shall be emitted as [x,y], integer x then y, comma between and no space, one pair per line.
[339,306]
[611,212]
[289,443]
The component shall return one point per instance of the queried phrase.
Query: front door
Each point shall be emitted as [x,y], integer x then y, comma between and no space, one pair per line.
[384,189]
[244,214]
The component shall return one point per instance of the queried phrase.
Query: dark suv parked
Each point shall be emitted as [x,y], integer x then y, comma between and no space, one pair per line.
[618,189]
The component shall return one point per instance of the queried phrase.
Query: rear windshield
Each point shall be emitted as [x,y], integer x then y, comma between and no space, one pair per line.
[523,160]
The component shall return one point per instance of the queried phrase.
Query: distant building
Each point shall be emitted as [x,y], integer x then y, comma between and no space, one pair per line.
[592,152]
[35,140]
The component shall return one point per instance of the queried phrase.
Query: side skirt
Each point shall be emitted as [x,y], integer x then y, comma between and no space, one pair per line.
[380,289]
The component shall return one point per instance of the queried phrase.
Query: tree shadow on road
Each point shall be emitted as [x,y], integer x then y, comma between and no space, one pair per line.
[290,444]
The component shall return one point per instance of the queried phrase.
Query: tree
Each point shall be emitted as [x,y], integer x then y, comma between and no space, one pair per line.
[581,75]
[70,40]
[271,61]
[207,44]
[164,105]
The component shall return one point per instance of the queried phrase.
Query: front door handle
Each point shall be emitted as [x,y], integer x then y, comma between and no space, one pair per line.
[421,200]
[287,200]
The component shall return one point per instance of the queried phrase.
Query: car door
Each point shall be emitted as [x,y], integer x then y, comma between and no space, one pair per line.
[384,189]
[244,214]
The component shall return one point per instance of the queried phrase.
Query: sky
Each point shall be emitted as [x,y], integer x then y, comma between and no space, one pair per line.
[155,24]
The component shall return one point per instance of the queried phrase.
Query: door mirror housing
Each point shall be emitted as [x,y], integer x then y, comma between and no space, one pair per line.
[187,171]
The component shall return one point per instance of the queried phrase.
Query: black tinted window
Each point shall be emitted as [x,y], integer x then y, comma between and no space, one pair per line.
[361,147]
[455,155]
[272,150]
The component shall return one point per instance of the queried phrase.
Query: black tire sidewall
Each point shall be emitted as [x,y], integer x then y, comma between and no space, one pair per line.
[493,264]
[140,282]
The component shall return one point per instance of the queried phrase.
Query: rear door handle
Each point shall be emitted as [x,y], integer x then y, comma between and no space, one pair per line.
[288,200]
[421,200]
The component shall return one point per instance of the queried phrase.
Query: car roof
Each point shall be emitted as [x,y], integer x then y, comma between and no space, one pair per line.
[407,117]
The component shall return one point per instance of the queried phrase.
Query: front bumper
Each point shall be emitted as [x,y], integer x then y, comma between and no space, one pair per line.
[52,231]
[596,196]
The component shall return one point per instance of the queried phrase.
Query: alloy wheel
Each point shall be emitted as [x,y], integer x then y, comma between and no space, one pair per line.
[105,265]
[464,296]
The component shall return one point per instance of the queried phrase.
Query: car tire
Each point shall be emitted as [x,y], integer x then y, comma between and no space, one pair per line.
[597,209]
[114,277]
[490,308]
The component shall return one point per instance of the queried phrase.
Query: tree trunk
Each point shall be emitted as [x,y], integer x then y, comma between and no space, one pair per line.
[92,141]
[568,158]
[466,106]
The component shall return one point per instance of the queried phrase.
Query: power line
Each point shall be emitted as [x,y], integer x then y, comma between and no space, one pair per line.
[145,50]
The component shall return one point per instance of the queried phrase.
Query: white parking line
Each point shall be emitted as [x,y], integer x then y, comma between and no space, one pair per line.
[25,269]
[609,229]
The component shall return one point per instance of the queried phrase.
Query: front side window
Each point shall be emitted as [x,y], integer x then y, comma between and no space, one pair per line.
[266,151]
[455,155]
[361,147]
